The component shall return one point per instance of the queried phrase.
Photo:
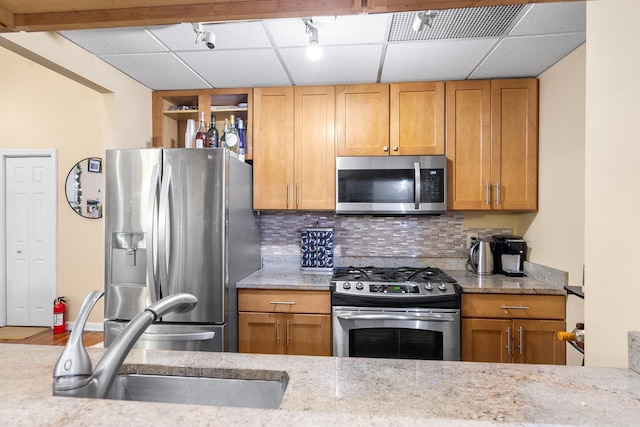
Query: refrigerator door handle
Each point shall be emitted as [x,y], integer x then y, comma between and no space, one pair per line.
[163,223]
[151,273]
[193,336]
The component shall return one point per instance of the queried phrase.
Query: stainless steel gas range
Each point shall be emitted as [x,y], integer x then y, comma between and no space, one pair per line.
[404,313]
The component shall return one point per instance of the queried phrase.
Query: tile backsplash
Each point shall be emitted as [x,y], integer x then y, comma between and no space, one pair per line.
[375,236]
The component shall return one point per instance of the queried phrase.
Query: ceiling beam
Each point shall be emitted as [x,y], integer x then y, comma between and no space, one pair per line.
[6,19]
[227,10]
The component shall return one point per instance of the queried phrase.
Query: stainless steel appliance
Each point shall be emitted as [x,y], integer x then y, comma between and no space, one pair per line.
[509,253]
[178,221]
[391,185]
[480,259]
[404,313]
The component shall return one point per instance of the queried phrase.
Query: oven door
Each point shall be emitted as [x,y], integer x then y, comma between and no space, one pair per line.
[400,333]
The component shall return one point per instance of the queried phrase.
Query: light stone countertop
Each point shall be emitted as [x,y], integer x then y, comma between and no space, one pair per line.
[339,391]
[289,278]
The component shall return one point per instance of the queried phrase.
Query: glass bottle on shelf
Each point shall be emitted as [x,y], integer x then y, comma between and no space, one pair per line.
[201,133]
[231,135]
[212,134]
[242,145]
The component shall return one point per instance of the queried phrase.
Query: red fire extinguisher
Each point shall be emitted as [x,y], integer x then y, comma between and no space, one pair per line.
[59,315]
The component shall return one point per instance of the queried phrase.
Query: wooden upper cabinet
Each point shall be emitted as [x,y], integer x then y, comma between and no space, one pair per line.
[362,120]
[273,148]
[314,148]
[469,144]
[492,144]
[514,138]
[294,145]
[417,118]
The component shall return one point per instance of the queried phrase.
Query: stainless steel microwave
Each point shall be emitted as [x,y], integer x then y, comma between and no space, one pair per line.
[408,185]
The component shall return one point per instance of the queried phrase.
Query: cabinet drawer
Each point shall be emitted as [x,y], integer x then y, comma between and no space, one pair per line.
[508,306]
[284,301]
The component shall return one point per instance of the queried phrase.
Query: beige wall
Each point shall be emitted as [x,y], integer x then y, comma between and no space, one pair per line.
[612,165]
[81,109]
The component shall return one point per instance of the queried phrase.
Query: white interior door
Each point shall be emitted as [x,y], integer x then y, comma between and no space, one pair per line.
[30,240]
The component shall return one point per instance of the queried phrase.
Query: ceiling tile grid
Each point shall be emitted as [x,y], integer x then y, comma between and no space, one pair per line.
[484,42]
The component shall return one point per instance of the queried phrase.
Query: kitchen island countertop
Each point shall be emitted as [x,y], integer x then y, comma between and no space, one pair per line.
[339,391]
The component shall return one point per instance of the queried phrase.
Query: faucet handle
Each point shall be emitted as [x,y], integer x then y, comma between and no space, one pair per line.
[74,360]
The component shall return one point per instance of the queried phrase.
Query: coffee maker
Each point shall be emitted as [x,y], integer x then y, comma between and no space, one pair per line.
[509,253]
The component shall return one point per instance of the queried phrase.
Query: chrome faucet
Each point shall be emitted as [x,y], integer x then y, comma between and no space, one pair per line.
[73,374]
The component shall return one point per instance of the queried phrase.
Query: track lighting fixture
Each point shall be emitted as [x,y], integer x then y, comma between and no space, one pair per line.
[422,19]
[314,51]
[207,37]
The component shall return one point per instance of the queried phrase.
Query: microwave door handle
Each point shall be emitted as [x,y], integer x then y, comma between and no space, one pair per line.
[416,177]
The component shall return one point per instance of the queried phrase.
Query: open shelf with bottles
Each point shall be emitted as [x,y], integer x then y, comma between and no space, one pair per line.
[172,109]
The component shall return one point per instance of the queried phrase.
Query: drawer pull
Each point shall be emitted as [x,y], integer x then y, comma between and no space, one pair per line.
[514,307]
[283,302]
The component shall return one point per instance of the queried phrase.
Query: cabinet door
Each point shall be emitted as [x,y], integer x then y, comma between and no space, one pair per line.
[486,340]
[469,144]
[314,148]
[514,142]
[535,341]
[273,148]
[308,334]
[261,333]
[416,118]
[362,120]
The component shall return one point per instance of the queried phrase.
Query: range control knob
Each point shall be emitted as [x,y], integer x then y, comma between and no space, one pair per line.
[359,286]
[346,285]
[428,286]
[443,286]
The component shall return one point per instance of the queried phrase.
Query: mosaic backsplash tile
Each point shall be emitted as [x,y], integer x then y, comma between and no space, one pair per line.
[372,236]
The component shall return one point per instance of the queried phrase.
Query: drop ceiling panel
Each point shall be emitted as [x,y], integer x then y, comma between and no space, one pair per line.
[115,40]
[434,60]
[550,18]
[527,56]
[158,71]
[341,30]
[338,65]
[238,68]
[240,35]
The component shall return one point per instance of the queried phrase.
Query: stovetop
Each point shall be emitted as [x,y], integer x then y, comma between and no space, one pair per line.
[394,287]
[395,275]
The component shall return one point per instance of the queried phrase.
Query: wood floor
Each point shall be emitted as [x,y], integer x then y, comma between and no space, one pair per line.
[49,338]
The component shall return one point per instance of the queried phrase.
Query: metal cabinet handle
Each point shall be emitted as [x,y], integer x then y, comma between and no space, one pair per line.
[288,332]
[297,195]
[277,332]
[287,195]
[497,193]
[395,148]
[385,148]
[514,307]
[509,341]
[283,302]
[520,331]
[487,195]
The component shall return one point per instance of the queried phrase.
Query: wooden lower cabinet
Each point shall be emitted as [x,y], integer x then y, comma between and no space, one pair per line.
[513,329]
[284,322]
[274,333]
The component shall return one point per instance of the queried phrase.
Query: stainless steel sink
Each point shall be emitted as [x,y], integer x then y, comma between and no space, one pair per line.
[248,389]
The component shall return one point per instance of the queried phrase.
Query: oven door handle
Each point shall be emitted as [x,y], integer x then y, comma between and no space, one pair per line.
[434,317]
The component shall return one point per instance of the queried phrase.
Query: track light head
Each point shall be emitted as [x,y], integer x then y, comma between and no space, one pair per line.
[207,37]
[314,51]
[422,19]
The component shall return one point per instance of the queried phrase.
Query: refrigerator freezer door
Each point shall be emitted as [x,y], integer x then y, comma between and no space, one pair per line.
[130,205]
[192,231]
[162,336]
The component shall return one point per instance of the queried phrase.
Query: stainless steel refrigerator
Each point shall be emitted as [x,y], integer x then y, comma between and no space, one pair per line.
[178,220]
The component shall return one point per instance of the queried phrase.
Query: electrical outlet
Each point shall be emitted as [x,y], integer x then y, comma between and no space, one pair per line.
[471,238]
